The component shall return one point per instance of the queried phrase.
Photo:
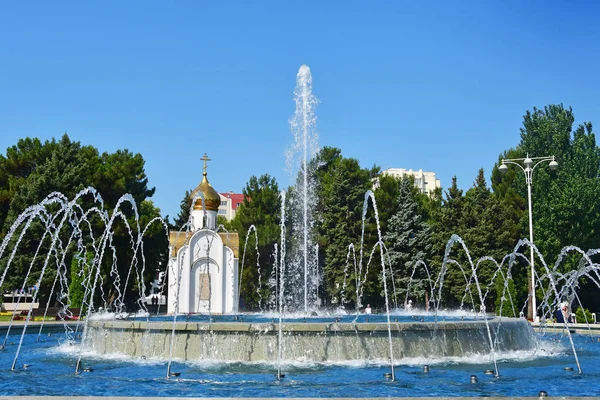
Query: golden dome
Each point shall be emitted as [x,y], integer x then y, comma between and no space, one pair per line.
[212,200]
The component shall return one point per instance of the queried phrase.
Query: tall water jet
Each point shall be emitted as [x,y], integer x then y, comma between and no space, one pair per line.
[298,157]
[281,288]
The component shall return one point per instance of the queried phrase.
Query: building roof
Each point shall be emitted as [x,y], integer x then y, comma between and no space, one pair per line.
[211,197]
[236,198]
[178,239]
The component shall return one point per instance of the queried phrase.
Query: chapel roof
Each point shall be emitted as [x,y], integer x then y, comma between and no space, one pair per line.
[212,200]
[179,239]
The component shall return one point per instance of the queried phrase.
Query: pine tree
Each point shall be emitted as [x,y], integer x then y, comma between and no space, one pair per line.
[408,241]
[184,211]
[261,208]
[342,184]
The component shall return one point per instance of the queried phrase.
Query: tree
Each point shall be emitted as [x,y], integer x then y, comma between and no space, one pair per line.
[386,194]
[342,184]
[565,207]
[408,241]
[31,170]
[486,228]
[488,231]
[119,173]
[184,211]
[261,208]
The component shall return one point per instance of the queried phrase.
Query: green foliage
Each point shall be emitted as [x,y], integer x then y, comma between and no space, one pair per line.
[565,206]
[261,208]
[565,203]
[583,316]
[184,211]
[487,228]
[80,268]
[31,170]
[386,194]
[507,302]
[342,184]
[408,240]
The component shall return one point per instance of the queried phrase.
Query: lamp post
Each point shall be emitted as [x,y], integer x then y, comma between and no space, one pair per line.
[528,165]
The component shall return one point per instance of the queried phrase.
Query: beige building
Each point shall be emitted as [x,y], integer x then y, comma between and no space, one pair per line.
[426,182]
[229,204]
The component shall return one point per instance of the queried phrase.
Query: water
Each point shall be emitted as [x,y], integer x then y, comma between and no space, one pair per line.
[51,364]
[55,359]
[395,315]
[303,198]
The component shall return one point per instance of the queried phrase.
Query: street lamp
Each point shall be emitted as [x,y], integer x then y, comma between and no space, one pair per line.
[528,165]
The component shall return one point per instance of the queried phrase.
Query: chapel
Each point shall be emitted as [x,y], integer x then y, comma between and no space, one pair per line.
[203,263]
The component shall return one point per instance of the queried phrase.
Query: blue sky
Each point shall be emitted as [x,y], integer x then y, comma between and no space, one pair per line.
[440,86]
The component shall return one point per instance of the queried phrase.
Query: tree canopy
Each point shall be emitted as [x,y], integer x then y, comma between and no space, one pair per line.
[32,169]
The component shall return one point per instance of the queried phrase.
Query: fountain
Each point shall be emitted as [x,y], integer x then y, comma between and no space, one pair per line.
[286,352]
[303,199]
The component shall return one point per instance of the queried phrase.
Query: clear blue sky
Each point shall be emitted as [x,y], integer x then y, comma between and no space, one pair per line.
[440,86]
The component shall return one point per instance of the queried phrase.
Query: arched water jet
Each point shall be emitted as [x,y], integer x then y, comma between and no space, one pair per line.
[550,276]
[140,248]
[45,218]
[505,278]
[90,303]
[178,281]
[344,285]
[147,328]
[370,195]
[55,238]
[467,288]
[455,239]
[61,272]
[251,229]
[417,264]
[392,279]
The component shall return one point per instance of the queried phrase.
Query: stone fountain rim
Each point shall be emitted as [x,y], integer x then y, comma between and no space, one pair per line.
[319,327]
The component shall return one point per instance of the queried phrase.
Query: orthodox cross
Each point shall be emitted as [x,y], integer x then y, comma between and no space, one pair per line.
[205,159]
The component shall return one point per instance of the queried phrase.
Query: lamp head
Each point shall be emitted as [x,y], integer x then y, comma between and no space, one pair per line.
[503,168]
[553,165]
[528,161]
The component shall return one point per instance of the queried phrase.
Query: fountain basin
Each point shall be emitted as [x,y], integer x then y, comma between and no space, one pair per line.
[310,341]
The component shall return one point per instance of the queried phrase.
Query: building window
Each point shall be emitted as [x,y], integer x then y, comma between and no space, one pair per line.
[222,212]
[224,203]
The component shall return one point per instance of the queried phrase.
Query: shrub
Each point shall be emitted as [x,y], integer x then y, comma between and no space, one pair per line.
[582,314]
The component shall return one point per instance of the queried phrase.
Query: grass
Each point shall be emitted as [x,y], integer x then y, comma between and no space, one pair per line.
[7,316]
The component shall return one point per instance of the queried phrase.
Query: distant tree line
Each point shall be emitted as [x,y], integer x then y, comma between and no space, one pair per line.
[417,227]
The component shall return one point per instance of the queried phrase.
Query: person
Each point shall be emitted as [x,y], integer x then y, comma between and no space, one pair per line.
[563,314]
[409,305]
[368,309]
